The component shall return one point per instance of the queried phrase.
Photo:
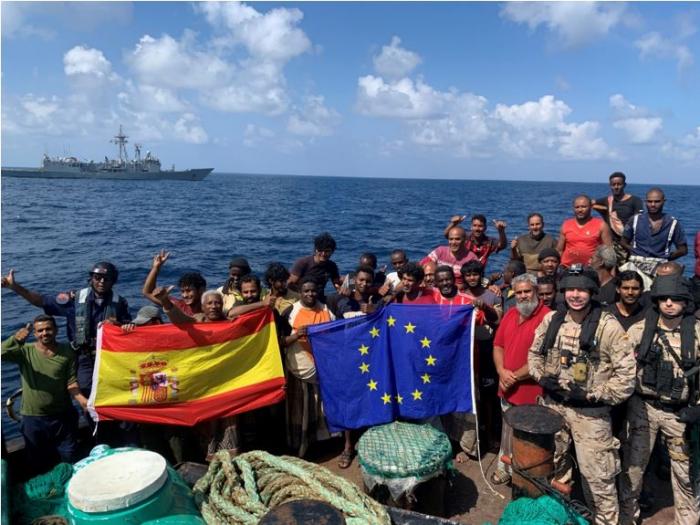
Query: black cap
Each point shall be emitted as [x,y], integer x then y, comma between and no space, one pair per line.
[674,286]
[548,252]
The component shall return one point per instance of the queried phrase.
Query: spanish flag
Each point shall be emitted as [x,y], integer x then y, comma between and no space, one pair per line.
[188,373]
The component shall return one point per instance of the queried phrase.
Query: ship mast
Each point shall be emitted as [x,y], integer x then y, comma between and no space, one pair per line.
[121,141]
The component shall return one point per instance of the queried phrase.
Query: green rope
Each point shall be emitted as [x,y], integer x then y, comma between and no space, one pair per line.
[243,489]
[42,495]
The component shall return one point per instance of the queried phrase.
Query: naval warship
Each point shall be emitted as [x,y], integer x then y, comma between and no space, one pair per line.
[123,168]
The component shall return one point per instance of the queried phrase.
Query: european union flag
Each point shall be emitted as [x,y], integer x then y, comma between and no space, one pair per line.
[402,361]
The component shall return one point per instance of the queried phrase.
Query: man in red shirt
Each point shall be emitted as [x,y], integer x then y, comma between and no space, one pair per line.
[510,347]
[409,290]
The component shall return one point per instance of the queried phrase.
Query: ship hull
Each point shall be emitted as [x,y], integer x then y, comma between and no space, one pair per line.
[34,173]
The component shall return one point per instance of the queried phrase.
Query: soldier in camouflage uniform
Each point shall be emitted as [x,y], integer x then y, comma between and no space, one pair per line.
[668,345]
[584,360]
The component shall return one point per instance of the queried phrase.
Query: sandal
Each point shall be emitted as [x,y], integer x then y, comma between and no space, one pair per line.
[500,477]
[346,458]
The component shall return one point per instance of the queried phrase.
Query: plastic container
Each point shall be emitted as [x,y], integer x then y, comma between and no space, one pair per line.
[128,486]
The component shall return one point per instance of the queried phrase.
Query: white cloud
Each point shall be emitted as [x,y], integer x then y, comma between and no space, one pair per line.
[80,60]
[394,61]
[575,23]
[168,62]
[40,108]
[686,149]
[270,36]
[402,98]
[656,46]
[638,124]
[547,112]
[313,119]
[158,99]
[640,130]
[187,128]
[580,141]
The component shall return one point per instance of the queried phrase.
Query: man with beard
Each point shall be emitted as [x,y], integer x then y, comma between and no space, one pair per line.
[547,290]
[528,246]
[191,285]
[410,290]
[616,209]
[510,347]
[630,308]
[454,255]
[649,237]
[584,361]
[665,398]
[47,368]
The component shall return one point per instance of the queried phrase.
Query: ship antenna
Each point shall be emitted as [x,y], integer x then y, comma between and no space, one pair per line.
[137,149]
[121,141]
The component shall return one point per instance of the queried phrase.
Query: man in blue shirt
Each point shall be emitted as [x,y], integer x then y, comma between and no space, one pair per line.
[649,237]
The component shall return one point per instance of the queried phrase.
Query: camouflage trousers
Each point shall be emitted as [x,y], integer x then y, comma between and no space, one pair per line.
[644,422]
[590,429]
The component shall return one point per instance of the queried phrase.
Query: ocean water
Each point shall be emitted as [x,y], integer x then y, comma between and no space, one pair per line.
[54,230]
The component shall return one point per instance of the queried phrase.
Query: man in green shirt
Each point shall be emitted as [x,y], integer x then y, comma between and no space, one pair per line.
[49,421]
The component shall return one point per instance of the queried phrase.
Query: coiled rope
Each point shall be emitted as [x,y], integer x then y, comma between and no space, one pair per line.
[241,490]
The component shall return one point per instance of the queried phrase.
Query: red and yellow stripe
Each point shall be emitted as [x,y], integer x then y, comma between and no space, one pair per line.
[189,373]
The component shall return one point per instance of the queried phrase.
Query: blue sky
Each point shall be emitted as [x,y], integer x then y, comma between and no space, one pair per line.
[435,90]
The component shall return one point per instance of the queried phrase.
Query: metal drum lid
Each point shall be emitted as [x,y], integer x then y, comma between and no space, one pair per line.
[535,419]
[117,481]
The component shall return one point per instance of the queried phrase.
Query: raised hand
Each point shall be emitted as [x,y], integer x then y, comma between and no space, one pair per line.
[8,281]
[22,334]
[160,258]
[456,219]
[162,292]
[500,225]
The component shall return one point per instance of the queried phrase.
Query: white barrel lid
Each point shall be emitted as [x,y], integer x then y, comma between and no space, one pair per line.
[117,481]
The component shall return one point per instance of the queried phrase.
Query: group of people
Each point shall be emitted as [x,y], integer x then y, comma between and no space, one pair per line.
[598,324]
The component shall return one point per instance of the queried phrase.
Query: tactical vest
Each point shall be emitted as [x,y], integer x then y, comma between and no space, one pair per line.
[588,344]
[83,313]
[656,378]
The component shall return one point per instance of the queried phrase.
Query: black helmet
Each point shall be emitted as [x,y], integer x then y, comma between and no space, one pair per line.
[107,269]
[674,286]
[579,276]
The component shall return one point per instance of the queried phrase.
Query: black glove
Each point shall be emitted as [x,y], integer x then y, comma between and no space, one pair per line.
[689,415]
[550,383]
[576,393]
